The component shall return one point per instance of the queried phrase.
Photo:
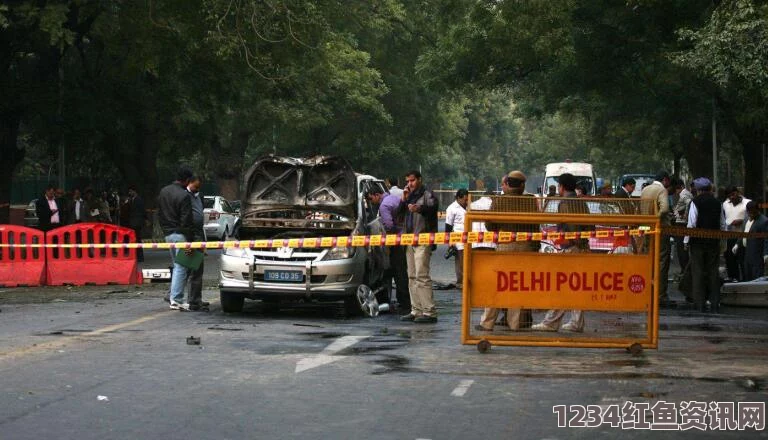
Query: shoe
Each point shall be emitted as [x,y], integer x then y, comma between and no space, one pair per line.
[408,317]
[181,307]
[541,327]
[200,304]
[425,319]
[480,328]
[198,308]
[571,327]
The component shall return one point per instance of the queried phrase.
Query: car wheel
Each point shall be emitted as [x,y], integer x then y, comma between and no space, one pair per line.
[231,302]
[366,301]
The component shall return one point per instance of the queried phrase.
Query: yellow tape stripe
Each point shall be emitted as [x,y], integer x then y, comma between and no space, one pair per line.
[354,241]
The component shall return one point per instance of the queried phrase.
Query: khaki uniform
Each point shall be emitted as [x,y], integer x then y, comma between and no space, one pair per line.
[516,318]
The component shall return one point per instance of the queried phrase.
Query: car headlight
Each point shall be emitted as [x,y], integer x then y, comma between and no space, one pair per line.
[238,252]
[340,253]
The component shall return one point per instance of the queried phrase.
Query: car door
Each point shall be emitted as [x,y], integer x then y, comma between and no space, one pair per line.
[228,213]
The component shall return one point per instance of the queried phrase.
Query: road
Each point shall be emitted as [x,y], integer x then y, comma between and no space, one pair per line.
[114,363]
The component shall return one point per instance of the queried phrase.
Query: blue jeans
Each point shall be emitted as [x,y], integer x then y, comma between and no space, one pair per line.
[179,275]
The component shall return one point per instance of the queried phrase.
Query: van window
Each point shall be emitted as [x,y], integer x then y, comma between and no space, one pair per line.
[583,181]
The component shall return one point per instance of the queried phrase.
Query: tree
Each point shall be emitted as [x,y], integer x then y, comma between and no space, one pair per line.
[731,50]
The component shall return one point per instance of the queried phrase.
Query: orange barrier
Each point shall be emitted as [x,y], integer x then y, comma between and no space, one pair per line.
[21,266]
[90,262]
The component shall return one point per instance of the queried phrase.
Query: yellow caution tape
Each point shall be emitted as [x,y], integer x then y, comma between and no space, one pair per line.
[354,241]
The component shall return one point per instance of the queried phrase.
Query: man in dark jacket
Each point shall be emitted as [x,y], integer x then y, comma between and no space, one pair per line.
[705,213]
[420,208]
[175,218]
[755,249]
[626,189]
[78,208]
[48,212]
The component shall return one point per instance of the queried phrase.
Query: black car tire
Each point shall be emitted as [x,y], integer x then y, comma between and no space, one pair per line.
[231,302]
[352,307]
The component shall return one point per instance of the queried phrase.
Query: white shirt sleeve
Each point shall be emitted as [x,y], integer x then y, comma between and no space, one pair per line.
[450,215]
[693,218]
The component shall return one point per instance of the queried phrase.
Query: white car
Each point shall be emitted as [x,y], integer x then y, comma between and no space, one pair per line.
[218,218]
[305,198]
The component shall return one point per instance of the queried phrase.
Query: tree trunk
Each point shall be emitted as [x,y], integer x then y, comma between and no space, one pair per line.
[698,153]
[11,157]
[752,137]
[138,163]
[229,163]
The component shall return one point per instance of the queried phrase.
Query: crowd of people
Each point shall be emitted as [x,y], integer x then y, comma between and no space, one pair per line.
[57,208]
[696,205]
[692,205]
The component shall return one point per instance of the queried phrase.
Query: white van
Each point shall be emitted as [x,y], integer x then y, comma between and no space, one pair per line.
[582,171]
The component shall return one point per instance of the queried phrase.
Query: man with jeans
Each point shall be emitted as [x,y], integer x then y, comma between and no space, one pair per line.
[175,218]
[420,208]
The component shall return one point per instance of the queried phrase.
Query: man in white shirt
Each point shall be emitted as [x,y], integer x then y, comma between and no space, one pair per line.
[393,187]
[735,210]
[79,209]
[454,222]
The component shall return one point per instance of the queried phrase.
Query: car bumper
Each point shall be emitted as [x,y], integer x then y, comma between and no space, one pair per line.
[322,280]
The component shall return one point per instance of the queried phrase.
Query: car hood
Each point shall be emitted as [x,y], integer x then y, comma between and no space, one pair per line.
[320,183]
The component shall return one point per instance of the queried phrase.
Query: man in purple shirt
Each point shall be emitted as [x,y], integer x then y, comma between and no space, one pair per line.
[398,267]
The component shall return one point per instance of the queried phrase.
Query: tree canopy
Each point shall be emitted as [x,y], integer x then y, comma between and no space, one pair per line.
[463,89]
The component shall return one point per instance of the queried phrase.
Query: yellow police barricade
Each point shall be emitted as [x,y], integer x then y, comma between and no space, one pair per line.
[588,262]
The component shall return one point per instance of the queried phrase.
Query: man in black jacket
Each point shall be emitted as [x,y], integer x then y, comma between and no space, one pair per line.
[755,249]
[175,218]
[705,213]
[626,189]
[420,208]
[48,210]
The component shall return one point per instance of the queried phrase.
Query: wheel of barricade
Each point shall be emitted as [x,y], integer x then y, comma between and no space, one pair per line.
[483,346]
[635,349]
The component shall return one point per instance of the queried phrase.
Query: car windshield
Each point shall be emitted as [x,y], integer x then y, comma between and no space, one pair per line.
[583,181]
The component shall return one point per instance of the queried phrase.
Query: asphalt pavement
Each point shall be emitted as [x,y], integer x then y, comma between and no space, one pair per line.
[113,362]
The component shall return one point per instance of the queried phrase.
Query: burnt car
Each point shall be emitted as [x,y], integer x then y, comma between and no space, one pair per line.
[304,198]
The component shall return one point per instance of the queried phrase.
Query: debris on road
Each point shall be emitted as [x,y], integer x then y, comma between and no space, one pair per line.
[103,398]
[225,328]
[193,340]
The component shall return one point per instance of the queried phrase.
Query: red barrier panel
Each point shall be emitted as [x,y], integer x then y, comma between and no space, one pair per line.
[91,265]
[21,266]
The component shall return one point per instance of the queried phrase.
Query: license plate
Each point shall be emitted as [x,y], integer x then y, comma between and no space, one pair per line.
[284,276]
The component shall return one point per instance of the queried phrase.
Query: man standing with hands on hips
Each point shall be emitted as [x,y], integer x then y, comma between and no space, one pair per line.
[420,208]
